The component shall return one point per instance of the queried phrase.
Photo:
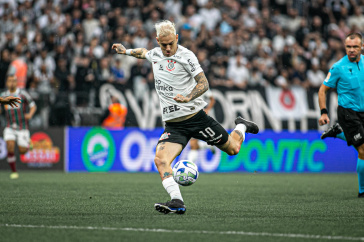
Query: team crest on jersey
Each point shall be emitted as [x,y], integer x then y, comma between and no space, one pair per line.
[164,136]
[170,66]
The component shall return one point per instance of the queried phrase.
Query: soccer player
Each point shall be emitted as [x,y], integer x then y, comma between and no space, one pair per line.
[199,144]
[347,76]
[17,117]
[179,82]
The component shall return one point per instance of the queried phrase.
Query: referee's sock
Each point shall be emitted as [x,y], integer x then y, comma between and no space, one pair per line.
[360,170]
[341,136]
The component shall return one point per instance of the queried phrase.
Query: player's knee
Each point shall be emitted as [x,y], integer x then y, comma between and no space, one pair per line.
[22,151]
[233,151]
[160,162]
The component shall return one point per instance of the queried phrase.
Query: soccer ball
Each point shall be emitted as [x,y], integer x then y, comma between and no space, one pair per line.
[185,172]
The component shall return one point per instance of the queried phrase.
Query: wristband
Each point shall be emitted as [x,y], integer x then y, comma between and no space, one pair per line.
[324,110]
[128,52]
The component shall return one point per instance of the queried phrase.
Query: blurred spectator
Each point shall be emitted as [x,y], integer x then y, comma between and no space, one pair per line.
[63,77]
[314,75]
[104,72]
[282,79]
[299,76]
[210,15]
[89,25]
[357,19]
[19,67]
[43,77]
[118,72]
[44,59]
[4,66]
[238,73]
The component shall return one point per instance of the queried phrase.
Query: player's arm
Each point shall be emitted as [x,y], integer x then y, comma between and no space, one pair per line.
[137,53]
[12,101]
[32,110]
[324,119]
[210,105]
[201,87]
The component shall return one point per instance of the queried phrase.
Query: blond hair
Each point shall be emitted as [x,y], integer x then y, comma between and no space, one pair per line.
[165,28]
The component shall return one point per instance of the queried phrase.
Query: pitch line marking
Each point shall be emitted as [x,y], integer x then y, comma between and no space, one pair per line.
[303,236]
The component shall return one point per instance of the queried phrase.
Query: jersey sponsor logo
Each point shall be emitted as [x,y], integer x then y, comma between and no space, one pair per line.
[351,71]
[162,87]
[328,77]
[160,67]
[357,137]
[171,109]
[192,65]
[170,66]
[177,56]
[164,136]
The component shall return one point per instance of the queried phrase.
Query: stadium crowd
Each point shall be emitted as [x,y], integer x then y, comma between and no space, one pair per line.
[64,46]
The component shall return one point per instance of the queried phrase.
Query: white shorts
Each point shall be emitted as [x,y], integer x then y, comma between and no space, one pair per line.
[22,137]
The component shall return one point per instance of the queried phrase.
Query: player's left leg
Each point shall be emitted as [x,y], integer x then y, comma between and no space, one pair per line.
[193,153]
[166,152]
[23,140]
[360,170]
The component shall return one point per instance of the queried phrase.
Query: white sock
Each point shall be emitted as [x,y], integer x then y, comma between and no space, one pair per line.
[192,155]
[172,188]
[242,129]
[202,144]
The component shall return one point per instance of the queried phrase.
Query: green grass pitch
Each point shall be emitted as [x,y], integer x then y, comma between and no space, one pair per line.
[53,206]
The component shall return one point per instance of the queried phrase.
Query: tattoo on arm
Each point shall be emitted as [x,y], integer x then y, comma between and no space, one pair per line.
[139,53]
[167,174]
[241,137]
[201,87]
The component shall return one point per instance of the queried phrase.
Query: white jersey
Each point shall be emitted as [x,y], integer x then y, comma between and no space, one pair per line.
[175,75]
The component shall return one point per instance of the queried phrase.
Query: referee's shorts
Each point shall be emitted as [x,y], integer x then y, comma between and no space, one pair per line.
[352,123]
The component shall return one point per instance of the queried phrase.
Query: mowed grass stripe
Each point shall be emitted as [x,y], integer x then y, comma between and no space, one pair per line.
[243,233]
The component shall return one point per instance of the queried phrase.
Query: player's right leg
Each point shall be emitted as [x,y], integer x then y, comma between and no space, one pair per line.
[10,137]
[166,152]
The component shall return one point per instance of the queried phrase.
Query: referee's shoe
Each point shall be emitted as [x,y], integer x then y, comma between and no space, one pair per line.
[251,127]
[332,131]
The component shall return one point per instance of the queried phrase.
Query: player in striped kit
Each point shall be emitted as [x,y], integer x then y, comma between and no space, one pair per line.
[17,117]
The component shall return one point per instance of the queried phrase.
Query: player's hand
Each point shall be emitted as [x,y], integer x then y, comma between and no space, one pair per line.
[27,116]
[324,119]
[12,101]
[119,48]
[181,99]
